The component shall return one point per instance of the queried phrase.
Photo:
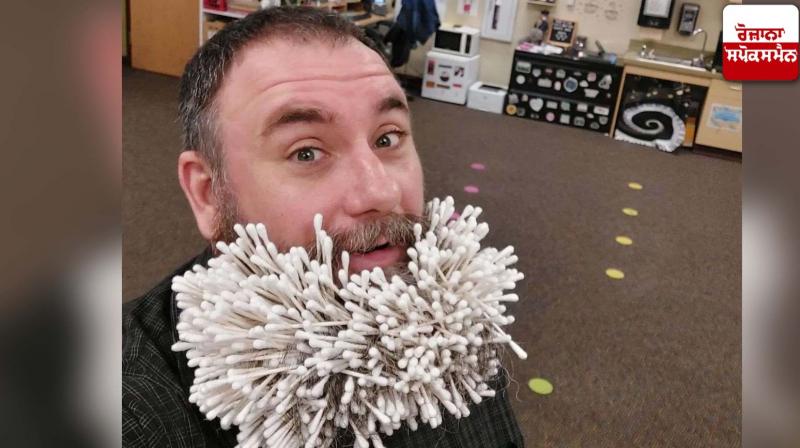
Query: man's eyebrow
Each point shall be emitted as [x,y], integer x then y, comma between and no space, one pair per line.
[392,103]
[298,115]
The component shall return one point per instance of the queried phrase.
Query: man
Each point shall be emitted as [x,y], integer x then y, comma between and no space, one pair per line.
[287,113]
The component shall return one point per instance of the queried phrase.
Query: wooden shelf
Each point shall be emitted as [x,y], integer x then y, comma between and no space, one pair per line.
[209,13]
[216,12]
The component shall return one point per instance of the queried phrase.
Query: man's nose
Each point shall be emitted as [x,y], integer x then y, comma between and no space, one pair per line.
[373,190]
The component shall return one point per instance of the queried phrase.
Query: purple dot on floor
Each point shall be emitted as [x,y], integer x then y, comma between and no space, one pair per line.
[455,216]
[477,166]
[471,189]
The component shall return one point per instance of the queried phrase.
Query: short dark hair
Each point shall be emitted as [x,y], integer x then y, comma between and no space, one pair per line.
[205,72]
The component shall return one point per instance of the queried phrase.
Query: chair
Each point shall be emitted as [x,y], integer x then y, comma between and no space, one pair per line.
[377,32]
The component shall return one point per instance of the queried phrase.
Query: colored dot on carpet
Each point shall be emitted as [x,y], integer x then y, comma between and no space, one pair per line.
[635,185]
[455,216]
[541,386]
[471,189]
[630,211]
[616,274]
[624,240]
[477,166]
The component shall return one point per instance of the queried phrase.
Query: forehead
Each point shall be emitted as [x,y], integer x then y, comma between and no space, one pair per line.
[279,65]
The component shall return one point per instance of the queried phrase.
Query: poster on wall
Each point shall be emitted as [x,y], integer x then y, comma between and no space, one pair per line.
[468,7]
[498,19]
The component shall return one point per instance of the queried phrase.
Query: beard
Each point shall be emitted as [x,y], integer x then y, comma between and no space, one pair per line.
[289,351]
[394,229]
[227,215]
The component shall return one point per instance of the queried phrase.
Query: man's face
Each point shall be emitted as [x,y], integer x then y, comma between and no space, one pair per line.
[311,128]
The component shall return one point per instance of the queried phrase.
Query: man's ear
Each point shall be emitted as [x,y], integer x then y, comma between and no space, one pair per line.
[194,175]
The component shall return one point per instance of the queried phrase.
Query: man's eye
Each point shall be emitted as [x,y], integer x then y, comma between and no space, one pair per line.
[389,139]
[306,154]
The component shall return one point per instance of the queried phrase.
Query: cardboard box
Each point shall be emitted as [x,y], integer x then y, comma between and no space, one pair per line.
[247,6]
[210,27]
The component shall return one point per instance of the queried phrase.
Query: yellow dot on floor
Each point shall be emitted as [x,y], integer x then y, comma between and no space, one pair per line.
[624,240]
[635,185]
[630,211]
[541,386]
[616,274]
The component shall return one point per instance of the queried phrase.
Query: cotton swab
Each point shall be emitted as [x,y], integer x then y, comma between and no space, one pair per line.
[273,336]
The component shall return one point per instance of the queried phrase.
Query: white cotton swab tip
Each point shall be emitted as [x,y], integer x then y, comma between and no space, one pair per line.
[517,349]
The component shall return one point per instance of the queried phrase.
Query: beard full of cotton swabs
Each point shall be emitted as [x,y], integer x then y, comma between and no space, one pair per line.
[289,352]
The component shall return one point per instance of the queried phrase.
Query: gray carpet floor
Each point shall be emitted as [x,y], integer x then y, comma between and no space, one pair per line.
[650,360]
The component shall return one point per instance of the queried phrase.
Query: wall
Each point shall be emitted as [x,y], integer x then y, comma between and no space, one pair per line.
[613,34]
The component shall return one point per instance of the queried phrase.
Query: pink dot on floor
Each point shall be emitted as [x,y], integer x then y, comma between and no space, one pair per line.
[455,216]
[471,189]
[477,166]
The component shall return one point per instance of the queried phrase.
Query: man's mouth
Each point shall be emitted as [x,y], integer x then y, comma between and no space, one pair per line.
[381,255]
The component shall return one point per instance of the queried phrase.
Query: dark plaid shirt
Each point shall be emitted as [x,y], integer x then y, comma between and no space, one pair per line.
[156,411]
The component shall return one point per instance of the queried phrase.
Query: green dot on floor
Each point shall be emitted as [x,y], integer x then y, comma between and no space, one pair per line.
[624,240]
[541,386]
[635,185]
[630,211]
[616,274]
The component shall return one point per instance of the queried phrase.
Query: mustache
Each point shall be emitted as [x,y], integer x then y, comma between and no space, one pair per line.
[393,229]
